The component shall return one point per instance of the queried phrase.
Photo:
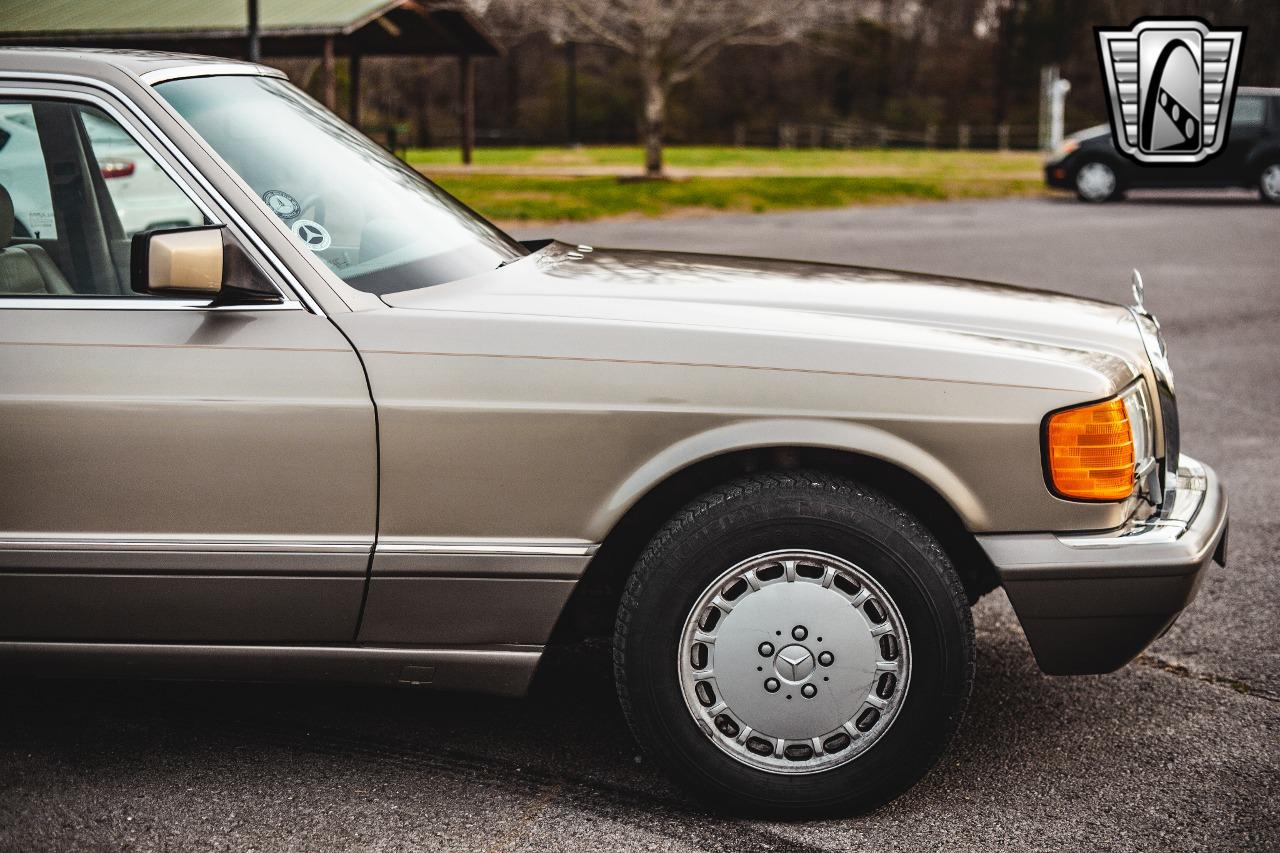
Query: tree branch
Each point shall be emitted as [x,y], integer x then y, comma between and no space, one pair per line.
[709,46]
[606,35]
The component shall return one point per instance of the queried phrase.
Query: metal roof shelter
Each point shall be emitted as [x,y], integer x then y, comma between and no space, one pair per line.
[287,28]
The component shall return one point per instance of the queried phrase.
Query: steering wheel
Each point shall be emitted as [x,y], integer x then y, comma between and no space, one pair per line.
[314,203]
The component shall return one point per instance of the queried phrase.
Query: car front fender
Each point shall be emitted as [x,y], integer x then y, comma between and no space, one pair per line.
[841,436]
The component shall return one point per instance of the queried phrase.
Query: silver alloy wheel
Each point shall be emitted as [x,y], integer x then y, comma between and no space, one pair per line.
[1270,182]
[794,661]
[1096,181]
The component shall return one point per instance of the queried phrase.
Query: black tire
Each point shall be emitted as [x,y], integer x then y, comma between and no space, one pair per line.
[1087,191]
[785,510]
[1269,183]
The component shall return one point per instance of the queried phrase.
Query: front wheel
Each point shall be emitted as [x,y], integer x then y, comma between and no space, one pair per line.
[1097,181]
[1269,183]
[794,643]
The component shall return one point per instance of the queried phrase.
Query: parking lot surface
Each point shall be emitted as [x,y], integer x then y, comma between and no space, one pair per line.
[1178,751]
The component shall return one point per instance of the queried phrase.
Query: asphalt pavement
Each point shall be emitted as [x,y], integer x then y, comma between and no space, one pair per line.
[1178,751]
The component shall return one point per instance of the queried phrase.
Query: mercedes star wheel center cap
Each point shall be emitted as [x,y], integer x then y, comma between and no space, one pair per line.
[794,663]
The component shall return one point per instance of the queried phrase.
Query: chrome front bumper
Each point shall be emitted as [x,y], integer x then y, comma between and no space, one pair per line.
[1089,603]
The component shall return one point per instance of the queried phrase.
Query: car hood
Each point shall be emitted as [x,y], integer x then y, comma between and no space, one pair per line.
[788,300]
[1091,132]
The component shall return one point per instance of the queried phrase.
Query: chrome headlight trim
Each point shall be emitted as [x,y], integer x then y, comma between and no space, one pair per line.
[1170,433]
[1141,414]
[1153,343]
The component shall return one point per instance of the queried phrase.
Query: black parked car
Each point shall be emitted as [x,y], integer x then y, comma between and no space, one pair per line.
[1089,163]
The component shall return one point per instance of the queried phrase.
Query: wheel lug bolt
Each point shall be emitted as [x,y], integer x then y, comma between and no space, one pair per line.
[766,649]
[826,658]
[772,685]
[799,632]
[808,691]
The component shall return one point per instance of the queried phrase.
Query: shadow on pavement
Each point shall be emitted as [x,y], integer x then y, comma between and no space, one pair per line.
[569,734]
[1172,198]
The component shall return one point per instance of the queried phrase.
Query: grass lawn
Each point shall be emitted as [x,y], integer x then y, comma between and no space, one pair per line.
[516,185]
[797,160]
[524,198]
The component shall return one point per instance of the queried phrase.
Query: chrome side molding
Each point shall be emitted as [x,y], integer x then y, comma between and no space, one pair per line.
[461,557]
[496,670]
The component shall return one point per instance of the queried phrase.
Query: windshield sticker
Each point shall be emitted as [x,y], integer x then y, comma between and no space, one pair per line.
[312,234]
[39,220]
[284,205]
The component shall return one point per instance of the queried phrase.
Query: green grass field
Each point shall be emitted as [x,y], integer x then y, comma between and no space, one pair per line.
[799,160]
[555,184]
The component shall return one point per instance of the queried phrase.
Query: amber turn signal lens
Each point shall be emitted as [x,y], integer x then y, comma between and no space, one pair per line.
[1091,452]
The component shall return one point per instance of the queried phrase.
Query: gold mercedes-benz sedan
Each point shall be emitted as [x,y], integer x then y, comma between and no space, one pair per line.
[309,417]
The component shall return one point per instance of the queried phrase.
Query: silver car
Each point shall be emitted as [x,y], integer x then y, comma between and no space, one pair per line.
[343,428]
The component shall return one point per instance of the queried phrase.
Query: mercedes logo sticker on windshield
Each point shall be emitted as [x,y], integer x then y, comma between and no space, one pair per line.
[313,234]
[282,204]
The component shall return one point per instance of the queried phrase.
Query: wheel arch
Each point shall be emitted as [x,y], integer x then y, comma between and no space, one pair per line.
[1265,154]
[658,489]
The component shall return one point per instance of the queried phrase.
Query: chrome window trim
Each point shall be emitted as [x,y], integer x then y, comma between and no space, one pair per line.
[208,69]
[126,303]
[281,269]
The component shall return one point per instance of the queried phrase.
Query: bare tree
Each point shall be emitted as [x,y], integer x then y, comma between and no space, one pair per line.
[672,40]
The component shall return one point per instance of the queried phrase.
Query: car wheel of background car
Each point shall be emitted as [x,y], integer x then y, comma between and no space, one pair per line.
[1269,183]
[1096,181]
[794,643]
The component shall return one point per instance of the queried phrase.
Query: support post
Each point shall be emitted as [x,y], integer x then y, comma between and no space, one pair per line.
[571,90]
[355,90]
[1057,111]
[467,105]
[1049,77]
[255,45]
[329,76]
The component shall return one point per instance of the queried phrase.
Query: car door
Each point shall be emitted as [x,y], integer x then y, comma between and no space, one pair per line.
[1248,117]
[175,471]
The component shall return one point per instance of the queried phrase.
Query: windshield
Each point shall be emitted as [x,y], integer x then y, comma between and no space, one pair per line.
[377,224]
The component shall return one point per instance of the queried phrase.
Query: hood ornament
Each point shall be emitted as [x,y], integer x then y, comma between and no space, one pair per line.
[1139,290]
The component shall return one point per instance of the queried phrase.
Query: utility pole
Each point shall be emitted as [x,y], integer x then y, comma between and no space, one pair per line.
[255,47]
[467,106]
[329,73]
[353,69]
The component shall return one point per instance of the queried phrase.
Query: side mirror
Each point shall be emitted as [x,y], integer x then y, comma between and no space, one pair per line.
[178,261]
[197,261]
